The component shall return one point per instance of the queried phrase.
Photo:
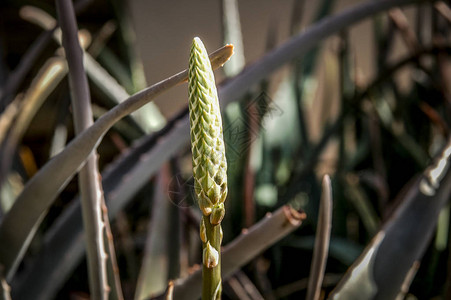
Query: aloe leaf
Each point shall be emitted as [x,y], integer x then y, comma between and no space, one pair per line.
[53,261]
[149,115]
[21,222]
[92,199]
[231,31]
[403,238]
[112,266]
[233,114]
[45,82]
[121,180]
[109,60]
[239,286]
[298,46]
[303,72]
[282,115]
[7,117]
[102,79]
[59,137]
[150,119]
[102,37]
[340,249]
[296,16]
[11,188]
[129,40]
[400,135]
[5,289]
[362,204]
[127,127]
[27,60]
[322,239]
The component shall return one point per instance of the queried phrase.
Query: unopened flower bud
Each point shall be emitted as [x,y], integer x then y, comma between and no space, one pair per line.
[217,214]
[207,143]
[210,256]
[203,231]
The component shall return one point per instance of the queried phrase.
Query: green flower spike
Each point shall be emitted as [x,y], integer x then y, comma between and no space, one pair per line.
[207,144]
[209,164]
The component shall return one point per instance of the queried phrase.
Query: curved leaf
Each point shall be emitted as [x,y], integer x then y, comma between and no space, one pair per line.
[403,239]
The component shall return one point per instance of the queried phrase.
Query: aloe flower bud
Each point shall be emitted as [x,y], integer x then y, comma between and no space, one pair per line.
[203,231]
[217,214]
[207,144]
[209,164]
[210,256]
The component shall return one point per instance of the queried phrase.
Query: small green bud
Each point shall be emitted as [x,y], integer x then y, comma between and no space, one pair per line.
[205,204]
[217,214]
[203,231]
[210,256]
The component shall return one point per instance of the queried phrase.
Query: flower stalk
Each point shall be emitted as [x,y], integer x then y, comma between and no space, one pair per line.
[209,164]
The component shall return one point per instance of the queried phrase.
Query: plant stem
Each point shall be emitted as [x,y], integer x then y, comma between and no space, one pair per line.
[245,247]
[212,276]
